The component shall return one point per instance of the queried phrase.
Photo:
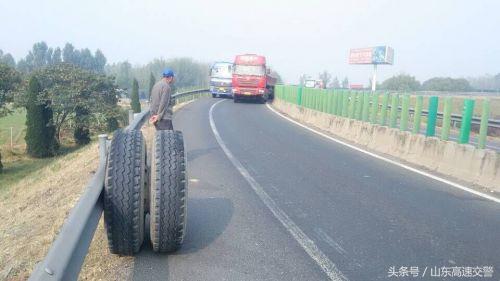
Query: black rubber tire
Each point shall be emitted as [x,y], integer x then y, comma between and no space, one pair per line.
[168,192]
[236,100]
[214,95]
[124,192]
[271,93]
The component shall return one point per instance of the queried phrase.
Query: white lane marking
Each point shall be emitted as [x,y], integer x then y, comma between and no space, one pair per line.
[329,240]
[328,267]
[274,187]
[434,177]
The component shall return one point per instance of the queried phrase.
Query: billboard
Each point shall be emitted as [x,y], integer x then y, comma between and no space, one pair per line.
[373,55]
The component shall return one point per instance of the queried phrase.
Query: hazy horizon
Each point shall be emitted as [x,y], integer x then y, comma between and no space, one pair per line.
[430,38]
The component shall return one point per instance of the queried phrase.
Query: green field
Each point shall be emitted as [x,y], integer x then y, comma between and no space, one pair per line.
[16,121]
[17,164]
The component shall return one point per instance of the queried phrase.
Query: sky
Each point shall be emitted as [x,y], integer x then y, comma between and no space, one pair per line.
[439,38]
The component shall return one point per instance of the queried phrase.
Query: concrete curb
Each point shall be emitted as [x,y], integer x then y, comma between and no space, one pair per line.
[464,162]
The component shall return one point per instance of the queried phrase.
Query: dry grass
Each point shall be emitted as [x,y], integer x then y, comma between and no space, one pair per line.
[33,210]
[100,264]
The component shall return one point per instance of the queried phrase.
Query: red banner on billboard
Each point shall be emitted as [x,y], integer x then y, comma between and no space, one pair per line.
[360,56]
[373,55]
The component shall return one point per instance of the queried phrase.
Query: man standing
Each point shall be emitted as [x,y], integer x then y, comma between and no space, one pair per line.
[161,102]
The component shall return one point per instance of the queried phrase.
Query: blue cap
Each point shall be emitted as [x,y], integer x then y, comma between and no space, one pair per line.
[167,72]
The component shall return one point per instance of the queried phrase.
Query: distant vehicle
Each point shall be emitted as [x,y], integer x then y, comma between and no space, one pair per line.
[356,86]
[251,78]
[221,74]
[313,83]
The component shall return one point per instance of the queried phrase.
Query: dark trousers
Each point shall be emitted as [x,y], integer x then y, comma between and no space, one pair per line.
[164,124]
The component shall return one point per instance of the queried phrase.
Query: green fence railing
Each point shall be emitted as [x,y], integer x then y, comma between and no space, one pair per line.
[396,110]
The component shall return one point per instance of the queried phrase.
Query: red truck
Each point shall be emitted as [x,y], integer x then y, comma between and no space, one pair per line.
[251,79]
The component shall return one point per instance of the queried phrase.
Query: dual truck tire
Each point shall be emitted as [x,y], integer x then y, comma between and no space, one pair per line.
[126,190]
[168,192]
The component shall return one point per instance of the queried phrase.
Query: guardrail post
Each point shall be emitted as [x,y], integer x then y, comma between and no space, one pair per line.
[483,130]
[324,100]
[103,148]
[394,111]
[130,116]
[432,116]
[359,105]
[340,99]
[306,98]
[345,104]
[334,107]
[405,111]
[466,120]
[446,118]
[333,103]
[309,98]
[366,106]
[417,114]
[327,99]
[303,97]
[352,104]
[374,110]
[314,99]
[299,96]
[349,104]
[383,112]
[318,99]
[321,99]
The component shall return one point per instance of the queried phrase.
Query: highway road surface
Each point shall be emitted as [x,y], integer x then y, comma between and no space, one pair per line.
[270,200]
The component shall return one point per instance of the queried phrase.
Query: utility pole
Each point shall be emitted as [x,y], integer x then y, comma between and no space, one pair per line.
[374,78]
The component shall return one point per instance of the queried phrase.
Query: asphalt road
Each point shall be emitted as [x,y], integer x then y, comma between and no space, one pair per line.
[291,205]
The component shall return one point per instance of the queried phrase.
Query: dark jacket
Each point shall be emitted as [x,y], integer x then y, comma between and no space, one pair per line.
[161,103]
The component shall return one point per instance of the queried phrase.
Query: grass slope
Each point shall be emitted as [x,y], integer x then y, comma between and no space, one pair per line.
[33,209]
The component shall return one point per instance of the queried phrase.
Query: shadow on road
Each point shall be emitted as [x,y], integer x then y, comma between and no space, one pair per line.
[195,153]
[207,219]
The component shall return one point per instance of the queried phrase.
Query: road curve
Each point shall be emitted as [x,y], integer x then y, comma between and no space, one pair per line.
[359,214]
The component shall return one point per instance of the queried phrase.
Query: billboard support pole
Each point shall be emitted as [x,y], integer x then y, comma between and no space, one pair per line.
[374,78]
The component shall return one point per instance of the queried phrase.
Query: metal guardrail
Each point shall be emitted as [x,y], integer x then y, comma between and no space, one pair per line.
[181,97]
[66,255]
[189,93]
[359,105]
[492,123]
[455,118]
[494,94]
